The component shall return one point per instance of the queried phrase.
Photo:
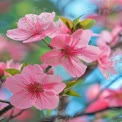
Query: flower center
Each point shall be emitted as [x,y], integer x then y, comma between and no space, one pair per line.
[35,89]
[69,51]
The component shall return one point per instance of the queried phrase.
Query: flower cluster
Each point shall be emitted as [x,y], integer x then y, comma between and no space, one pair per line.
[38,85]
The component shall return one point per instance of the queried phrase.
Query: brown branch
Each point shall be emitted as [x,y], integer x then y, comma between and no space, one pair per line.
[89,113]
[18,114]
[66,117]
[4,101]
[4,110]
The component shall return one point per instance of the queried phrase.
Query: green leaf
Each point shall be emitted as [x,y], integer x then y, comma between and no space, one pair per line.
[67,22]
[71,92]
[85,24]
[75,22]
[12,71]
[72,83]
[24,65]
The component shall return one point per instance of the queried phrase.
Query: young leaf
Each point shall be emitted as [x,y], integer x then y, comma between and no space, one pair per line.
[76,21]
[85,24]
[24,65]
[12,71]
[71,92]
[72,83]
[67,22]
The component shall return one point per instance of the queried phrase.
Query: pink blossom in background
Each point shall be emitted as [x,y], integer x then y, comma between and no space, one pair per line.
[5,6]
[98,104]
[12,50]
[3,43]
[17,51]
[110,37]
[119,1]
[34,88]
[69,50]
[105,64]
[105,3]
[8,65]
[92,91]
[33,27]
[116,34]
[115,97]
[104,37]
[103,15]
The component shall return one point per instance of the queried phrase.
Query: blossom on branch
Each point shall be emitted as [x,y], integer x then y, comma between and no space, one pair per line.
[99,102]
[69,50]
[34,88]
[33,27]
[115,97]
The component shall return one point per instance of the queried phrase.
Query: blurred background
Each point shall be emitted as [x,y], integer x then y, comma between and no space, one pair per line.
[107,13]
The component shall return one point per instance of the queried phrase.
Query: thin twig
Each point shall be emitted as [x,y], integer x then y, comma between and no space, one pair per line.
[4,110]
[67,117]
[4,101]
[18,114]
[47,43]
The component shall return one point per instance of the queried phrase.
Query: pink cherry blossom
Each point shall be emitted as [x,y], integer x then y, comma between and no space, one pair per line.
[105,3]
[14,50]
[69,50]
[17,51]
[100,103]
[34,88]
[115,97]
[116,34]
[105,9]
[110,37]
[33,27]
[105,64]
[3,43]
[8,65]
[105,36]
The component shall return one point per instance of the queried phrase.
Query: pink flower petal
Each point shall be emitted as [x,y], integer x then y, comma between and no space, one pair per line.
[32,69]
[74,66]
[47,100]
[47,17]
[52,58]
[28,22]
[53,83]
[81,38]
[89,54]
[60,41]
[21,100]
[15,83]
[35,38]
[19,34]
[99,104]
